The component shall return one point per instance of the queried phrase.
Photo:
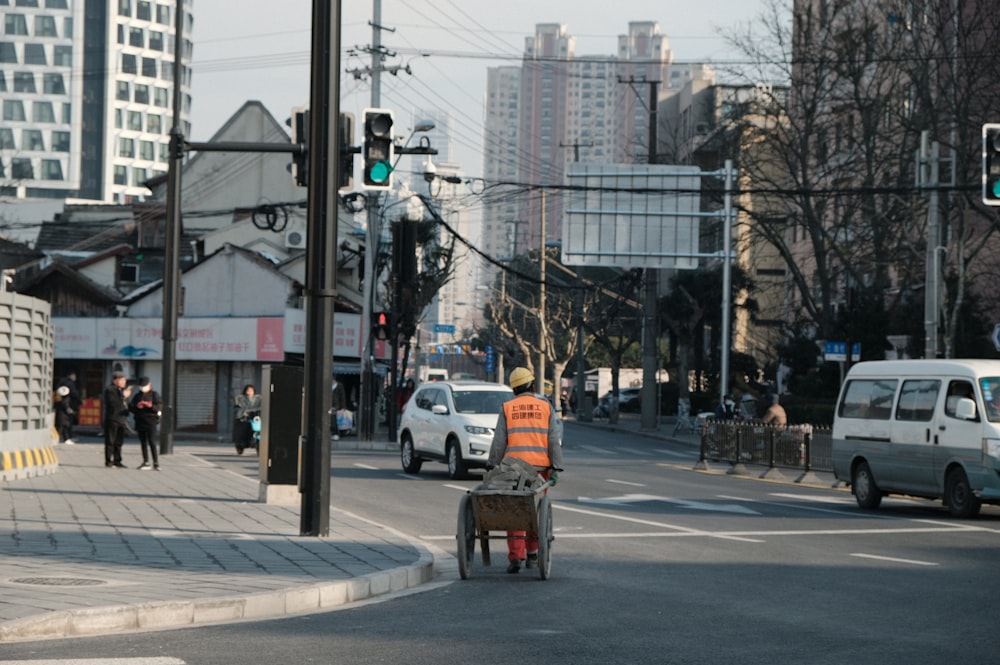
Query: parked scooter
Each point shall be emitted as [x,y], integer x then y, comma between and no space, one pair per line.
[255,433]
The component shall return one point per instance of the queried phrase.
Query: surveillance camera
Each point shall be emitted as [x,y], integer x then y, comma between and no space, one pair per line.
[430,171]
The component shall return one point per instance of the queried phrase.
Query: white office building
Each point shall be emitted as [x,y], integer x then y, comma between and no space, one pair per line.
[86,95]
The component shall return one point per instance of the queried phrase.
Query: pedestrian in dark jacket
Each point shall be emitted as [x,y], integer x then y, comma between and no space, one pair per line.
[64,415]
[74,402]
[146,406]
[115,419]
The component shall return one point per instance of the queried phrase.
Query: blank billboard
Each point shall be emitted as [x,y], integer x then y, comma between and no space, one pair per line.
[632,216]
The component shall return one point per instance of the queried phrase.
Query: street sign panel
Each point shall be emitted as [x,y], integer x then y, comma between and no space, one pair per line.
[445,328]
[837,351]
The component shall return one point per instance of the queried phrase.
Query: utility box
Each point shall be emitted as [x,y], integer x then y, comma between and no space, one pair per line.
[280,434]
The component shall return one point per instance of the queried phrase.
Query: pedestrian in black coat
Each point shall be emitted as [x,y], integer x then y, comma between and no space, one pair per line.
[115,402]
[146,406]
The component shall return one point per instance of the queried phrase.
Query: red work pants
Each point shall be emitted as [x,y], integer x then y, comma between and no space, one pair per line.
[519,543]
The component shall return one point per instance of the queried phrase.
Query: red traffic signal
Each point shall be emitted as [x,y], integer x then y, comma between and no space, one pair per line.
[381,325]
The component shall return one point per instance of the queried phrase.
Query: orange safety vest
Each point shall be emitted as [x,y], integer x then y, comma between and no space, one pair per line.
[528,429]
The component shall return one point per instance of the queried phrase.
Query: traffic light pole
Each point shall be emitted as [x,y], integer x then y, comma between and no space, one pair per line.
[321,267]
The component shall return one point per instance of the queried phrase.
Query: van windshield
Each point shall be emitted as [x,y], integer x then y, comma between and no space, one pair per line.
[990,385]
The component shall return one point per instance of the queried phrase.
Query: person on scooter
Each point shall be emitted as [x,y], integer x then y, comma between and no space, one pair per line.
[527,429]
[247,406]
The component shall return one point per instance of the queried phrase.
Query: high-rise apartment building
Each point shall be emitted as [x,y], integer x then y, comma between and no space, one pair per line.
[86,92]
[558,108]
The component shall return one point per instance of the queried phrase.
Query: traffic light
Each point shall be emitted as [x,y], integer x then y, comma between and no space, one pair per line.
[380,325]
[378,150]
[991,164]
[346,151]
[300,136]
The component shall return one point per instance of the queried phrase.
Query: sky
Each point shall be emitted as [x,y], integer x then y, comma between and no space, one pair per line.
[260,50]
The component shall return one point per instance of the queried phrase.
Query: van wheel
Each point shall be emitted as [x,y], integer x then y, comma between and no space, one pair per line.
[866,491]
[958,495]
[408,457]
[456,465]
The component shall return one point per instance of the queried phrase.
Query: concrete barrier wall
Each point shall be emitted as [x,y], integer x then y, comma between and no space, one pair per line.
[27,345]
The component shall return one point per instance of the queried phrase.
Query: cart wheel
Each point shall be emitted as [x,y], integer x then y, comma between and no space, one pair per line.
[544,538]
[466,537]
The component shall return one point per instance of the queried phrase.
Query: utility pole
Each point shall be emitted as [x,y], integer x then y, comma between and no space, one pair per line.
[171,248]
[542,328]
[650,330]
[929,170]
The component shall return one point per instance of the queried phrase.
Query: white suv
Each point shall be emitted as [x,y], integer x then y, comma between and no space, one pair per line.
[451,421]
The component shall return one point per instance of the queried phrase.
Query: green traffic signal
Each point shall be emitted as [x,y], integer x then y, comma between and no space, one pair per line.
[379,172]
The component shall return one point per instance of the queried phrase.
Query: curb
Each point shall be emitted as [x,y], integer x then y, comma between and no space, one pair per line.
[164,615]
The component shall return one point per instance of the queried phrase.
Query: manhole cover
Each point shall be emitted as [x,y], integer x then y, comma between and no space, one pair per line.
[58,581]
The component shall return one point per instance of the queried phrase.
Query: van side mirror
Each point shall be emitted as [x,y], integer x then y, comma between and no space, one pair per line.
[965,409]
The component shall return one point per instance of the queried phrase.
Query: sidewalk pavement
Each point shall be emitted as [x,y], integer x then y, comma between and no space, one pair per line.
[91,550]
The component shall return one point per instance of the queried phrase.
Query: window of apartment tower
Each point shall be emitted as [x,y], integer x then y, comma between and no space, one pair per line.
[8,53]
[42,112]
[21,169]
[139,176]
[16,24]
[31,139]
[153,125]
[146,150]
[60,141]
[27,3]
[121,175]
[45,26]
[124,7]
[124,93]
[155,40]
[3,82]
[13,109]
[136,37]
[143,10]
[62,56]
[161,97]
[126,147]
[34,54]
[51,169]
[56,4]
[163,14]
[141,94]
[54,84]
[129,64]
[7,139]
[135,121]
[24,82]
[149,67]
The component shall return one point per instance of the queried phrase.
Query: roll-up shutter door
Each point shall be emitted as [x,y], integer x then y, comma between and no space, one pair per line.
[196,396]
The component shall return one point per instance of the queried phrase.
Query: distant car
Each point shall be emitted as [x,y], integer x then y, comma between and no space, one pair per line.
[451,422]
[628,400]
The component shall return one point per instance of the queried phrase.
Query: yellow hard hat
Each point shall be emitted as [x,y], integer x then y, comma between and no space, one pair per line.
[521,376]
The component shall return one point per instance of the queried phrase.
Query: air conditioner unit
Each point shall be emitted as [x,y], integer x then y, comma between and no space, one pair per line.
[295,239]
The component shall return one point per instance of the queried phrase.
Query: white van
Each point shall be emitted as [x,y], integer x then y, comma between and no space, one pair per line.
[926,428]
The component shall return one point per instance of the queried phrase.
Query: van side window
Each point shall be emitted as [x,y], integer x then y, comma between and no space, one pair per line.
[957,389]
[917,399]
[868,398]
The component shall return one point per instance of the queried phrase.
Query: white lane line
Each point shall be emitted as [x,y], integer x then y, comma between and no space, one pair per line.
[893,559]
[409,476]
[595,449]
[634,520]
[624,482]
[464,488]
[369,466]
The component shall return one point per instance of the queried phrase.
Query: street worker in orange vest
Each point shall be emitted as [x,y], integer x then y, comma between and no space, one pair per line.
[528,430]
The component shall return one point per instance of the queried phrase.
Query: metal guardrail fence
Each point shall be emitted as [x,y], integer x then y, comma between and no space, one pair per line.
[801,447]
